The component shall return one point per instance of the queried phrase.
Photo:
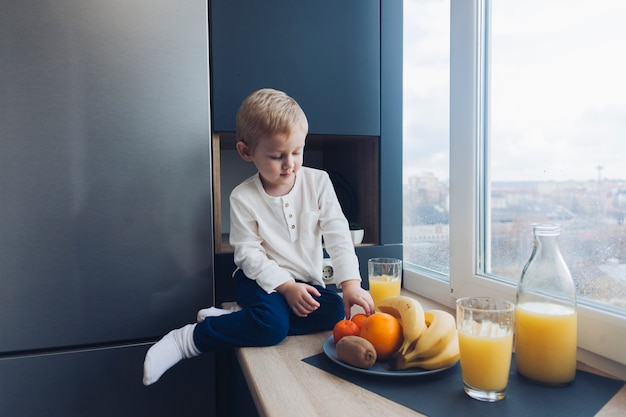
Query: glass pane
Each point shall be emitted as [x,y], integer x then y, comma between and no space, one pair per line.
[426,139]
[557,128]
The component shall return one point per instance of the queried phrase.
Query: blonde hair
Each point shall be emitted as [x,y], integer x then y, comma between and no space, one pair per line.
[268,112]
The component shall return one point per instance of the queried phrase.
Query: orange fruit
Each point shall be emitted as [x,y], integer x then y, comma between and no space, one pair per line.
[345,328]
[384,332]
[359,319]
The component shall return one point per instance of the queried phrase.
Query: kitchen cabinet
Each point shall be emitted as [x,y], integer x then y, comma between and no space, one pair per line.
[329,56]
[368,167]
[104,382]
[106,242]
[323,53]
[342,61]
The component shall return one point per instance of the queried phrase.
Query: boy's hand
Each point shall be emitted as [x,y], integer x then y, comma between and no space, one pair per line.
[298,296]
[353,294]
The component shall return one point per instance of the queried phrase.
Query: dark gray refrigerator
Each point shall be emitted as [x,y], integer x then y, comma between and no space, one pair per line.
[105,204]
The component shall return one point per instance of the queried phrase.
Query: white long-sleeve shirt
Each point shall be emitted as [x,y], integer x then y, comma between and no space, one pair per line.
[277,239]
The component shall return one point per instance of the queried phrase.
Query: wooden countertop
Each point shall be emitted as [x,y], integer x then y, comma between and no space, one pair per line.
[282,385]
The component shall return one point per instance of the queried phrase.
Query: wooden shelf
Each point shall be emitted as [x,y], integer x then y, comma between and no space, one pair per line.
[353,163]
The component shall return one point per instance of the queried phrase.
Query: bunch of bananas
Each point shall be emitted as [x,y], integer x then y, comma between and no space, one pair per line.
[430,337]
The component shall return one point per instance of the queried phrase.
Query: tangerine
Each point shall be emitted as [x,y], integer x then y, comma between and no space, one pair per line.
[359,319]
[345,328]
[384,332]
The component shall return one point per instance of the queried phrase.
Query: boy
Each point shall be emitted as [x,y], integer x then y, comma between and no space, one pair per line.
[278,219]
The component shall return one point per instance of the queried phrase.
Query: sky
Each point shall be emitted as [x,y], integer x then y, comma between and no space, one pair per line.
[558,96]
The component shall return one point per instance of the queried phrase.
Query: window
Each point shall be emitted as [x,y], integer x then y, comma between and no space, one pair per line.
[426,165]
[536,132]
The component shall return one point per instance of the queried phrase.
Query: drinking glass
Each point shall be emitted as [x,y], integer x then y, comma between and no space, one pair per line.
[384,276]
[485,330]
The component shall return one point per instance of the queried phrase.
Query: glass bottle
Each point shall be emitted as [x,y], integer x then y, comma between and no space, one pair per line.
[545,349]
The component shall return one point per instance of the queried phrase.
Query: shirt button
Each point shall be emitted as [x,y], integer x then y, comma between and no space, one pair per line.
[286,204]
[290,216]
[293,226]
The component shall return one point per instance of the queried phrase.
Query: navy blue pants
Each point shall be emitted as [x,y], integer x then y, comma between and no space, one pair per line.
[264,319]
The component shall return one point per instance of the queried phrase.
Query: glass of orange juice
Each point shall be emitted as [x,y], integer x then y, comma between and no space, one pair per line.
[384,276]
[485,330]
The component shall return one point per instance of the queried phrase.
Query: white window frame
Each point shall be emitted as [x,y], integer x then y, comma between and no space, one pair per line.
[601,334]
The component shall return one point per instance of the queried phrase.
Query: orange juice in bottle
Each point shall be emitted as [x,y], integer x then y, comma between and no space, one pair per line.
[546,346]
[545,350]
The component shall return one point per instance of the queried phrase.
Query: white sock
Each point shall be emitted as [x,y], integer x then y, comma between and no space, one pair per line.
[211,312]
[167,352]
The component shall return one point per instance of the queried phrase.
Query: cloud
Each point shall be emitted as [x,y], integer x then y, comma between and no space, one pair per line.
[557,98]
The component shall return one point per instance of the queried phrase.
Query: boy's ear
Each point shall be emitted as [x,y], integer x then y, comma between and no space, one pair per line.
[244,151]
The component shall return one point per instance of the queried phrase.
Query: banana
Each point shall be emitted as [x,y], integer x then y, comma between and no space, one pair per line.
[411,316]
[441,328]
[448,356]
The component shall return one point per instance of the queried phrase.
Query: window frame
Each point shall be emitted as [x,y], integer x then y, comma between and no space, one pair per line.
[600,333]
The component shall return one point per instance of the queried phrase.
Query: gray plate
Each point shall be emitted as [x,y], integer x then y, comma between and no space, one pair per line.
[379,368]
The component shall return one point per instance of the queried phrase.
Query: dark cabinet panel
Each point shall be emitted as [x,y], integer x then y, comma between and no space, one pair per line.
[391,122]
[324,53]
[102,383]
[105,175]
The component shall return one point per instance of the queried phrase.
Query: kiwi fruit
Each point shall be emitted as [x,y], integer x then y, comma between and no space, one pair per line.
[356,351]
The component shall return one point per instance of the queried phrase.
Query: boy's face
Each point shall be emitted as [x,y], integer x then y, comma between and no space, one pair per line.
[277,158]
